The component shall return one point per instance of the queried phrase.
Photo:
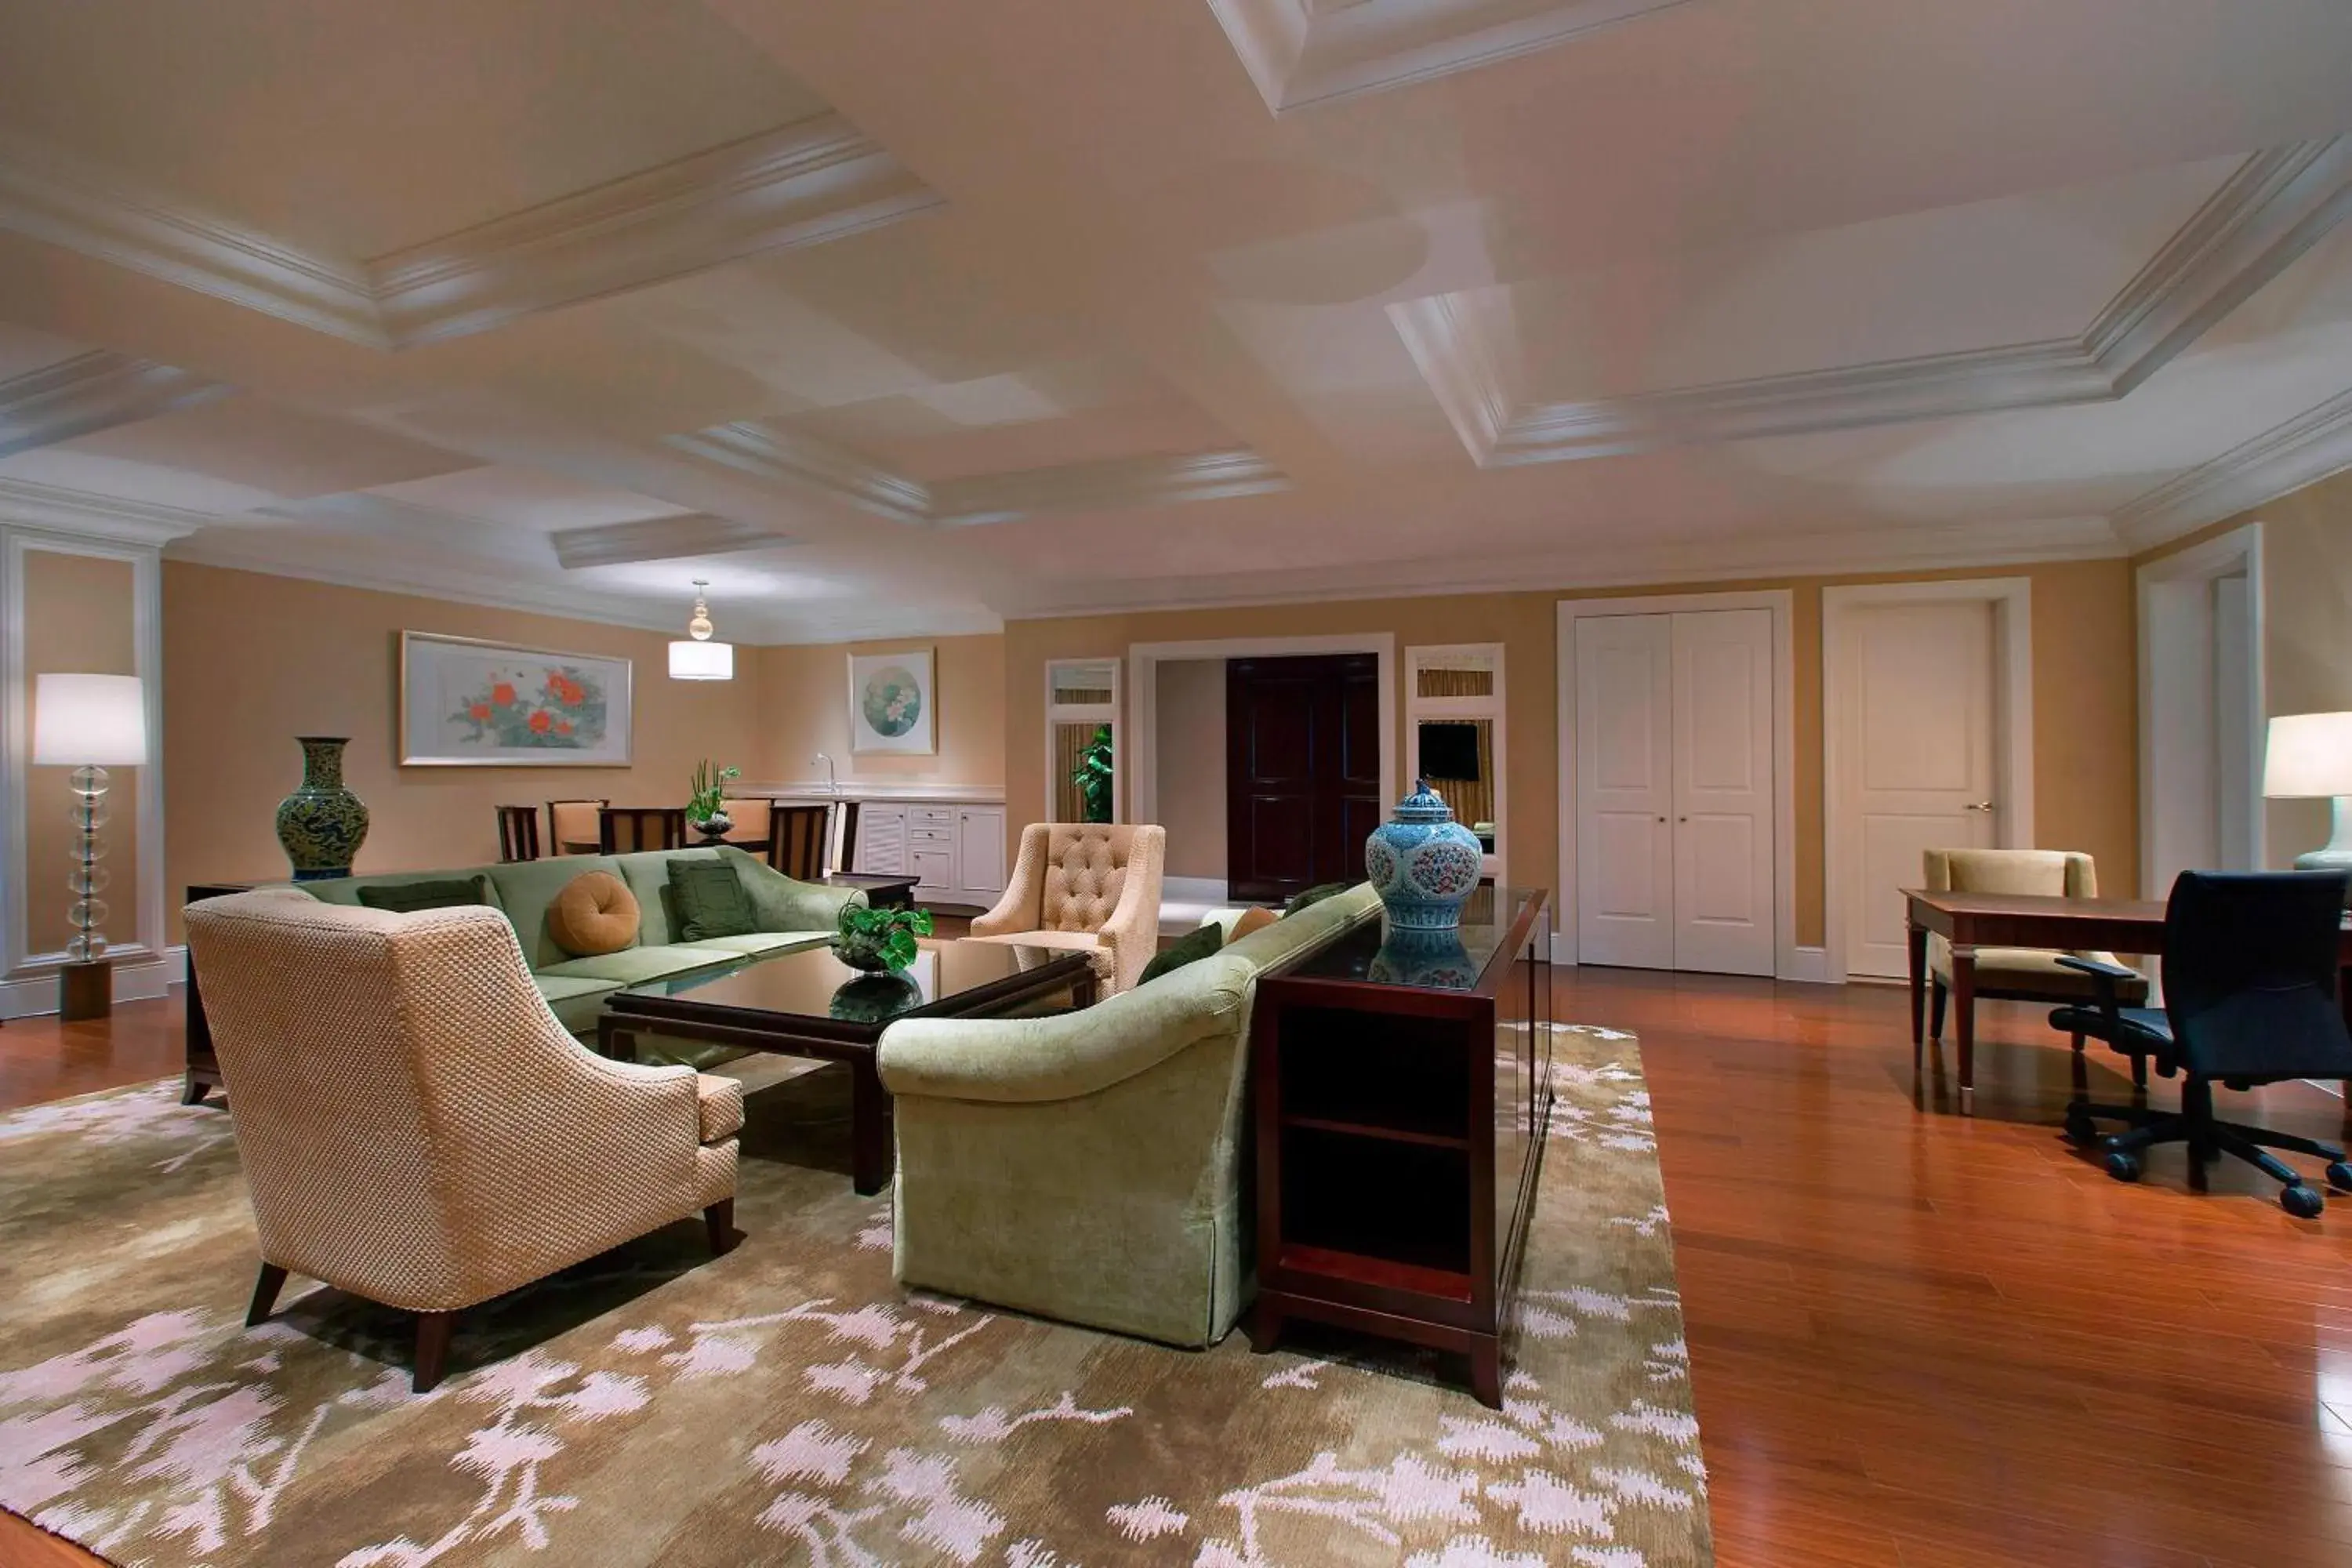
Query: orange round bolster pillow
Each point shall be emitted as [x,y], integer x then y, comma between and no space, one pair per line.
[595,913]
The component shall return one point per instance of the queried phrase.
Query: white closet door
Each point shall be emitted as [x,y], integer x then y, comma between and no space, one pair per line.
[1919,760]
[1723,791]
[1624,791]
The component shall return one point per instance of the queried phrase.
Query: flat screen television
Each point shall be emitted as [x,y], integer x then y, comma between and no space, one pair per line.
[1449,751]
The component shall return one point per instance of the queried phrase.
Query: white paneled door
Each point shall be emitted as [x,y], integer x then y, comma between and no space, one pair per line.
[1673,791]
[1723,791]
[1624,791]
[1918,757]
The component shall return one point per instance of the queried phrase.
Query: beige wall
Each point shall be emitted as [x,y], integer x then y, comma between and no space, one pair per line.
[81,617]
[251,661]
[804,709]
[1190,746]
[2083,695]
[2307,625]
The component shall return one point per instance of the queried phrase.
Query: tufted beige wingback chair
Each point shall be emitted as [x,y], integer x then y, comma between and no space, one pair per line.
[1088,886]
[416,1128]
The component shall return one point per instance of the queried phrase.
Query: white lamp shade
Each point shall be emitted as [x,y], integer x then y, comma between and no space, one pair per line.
[702,661]
[88,721]
[2309,756]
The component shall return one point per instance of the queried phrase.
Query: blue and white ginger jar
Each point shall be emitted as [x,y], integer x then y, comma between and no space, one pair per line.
[1423,863]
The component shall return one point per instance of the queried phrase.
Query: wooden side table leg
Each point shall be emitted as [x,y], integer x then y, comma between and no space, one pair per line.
[1487,1373]
[1915,937]
[1264,1325]
[1964,1021]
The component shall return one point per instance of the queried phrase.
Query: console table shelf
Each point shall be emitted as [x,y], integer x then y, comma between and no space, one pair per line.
[1400,1088]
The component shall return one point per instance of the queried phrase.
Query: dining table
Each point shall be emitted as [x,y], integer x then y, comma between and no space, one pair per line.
[1973,921]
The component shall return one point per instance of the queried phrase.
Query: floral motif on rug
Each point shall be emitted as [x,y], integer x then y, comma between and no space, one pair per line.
[789,1404]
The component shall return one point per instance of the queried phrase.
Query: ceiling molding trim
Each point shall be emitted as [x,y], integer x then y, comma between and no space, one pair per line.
[816,180]
[61,202]
[807,463]
[1765,560]
[2271,210]
[804,462]
[1105,486]
[80,513]
[89,393]
[2303,451]
[1300,52]
[681,537]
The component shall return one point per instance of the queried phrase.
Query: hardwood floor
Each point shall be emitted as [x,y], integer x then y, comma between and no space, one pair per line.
[1917,1341]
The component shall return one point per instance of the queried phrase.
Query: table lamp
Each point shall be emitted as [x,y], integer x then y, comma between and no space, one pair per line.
[2309,757]
[88,723]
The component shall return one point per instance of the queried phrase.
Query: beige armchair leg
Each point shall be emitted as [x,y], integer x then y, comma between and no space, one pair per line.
[264,1293]
[432,1332]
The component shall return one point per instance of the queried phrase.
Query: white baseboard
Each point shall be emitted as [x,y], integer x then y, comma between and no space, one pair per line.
[1193,890]
[135,979]
[1810,965]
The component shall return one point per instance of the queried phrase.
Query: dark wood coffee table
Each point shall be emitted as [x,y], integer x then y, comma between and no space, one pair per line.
[810,1003]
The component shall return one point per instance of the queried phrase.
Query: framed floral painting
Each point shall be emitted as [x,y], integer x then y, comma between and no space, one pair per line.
[892,707]
[468,703]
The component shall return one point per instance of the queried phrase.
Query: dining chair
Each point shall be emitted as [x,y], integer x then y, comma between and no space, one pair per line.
[798,846]
[518,833]
[626,829]
[754,817]
[573,827]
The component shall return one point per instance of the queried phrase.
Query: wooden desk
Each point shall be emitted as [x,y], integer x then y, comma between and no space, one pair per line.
[1971,920]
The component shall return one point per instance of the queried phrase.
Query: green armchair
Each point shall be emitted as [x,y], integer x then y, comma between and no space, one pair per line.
[1088,1167]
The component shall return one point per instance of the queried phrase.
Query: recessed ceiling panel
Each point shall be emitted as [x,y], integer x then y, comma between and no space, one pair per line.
[267,447]
[529,498]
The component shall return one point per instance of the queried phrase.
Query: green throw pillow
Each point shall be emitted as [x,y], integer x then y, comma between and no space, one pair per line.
[709,900]
[1192,947]
[410,898]
[1314,895]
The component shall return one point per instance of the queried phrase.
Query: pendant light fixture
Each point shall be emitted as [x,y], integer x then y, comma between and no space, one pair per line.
[702,660]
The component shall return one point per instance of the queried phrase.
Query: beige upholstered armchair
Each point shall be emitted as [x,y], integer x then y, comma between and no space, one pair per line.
[416,1128]
[2016,973]
[1087,886]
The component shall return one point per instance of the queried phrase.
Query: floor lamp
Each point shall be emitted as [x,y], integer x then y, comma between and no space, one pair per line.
[88,723]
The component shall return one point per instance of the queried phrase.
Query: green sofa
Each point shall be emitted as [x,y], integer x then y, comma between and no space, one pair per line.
[1090,1167]
[791,915]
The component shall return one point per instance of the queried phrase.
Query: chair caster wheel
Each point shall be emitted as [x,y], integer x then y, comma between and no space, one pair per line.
[2081,1129]
[2122,1165]
[2339,1176]
[2303,1203]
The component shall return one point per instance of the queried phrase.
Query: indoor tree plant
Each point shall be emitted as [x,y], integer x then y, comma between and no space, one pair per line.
[878,940]
[1092,777]
[708,793]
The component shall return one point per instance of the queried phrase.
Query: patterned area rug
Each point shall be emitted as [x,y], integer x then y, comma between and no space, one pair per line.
[787,1404]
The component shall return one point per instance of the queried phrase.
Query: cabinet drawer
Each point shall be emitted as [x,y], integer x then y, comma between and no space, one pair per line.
[930,816]
[930,835]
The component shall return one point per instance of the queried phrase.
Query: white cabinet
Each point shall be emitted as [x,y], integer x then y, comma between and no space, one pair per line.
[955,852]
[980,853]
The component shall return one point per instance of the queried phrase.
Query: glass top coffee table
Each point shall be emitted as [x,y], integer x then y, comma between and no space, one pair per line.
[810,1003]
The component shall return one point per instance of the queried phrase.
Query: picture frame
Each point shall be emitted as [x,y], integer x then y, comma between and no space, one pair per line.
[470,702]
[893,703]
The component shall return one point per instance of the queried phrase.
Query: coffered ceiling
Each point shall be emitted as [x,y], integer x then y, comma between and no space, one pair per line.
[899,316]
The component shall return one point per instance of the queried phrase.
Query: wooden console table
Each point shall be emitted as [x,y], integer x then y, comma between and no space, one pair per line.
[1971,920]
[1400,1093]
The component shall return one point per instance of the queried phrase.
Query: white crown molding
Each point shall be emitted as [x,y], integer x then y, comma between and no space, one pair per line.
[82,515]
[815,180]
[1120,482]
[674,538]
[48,197]
[1760,558]
[2303,451]
[93,391]
[1303,52]
[2272,209]
[807,463]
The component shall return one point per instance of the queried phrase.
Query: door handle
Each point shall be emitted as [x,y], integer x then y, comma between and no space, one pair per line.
[1978,806]
[1662,819]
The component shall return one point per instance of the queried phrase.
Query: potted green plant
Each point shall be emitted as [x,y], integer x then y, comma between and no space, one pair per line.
[880,942]
[708,795]
[1092,777]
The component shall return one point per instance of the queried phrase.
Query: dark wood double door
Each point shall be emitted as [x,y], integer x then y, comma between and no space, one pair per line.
[1302,771]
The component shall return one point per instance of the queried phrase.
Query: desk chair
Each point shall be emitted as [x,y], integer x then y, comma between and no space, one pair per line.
[2020,974]
[2250,977]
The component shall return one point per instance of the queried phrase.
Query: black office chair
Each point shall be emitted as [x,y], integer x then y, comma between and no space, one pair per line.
[2250,977]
